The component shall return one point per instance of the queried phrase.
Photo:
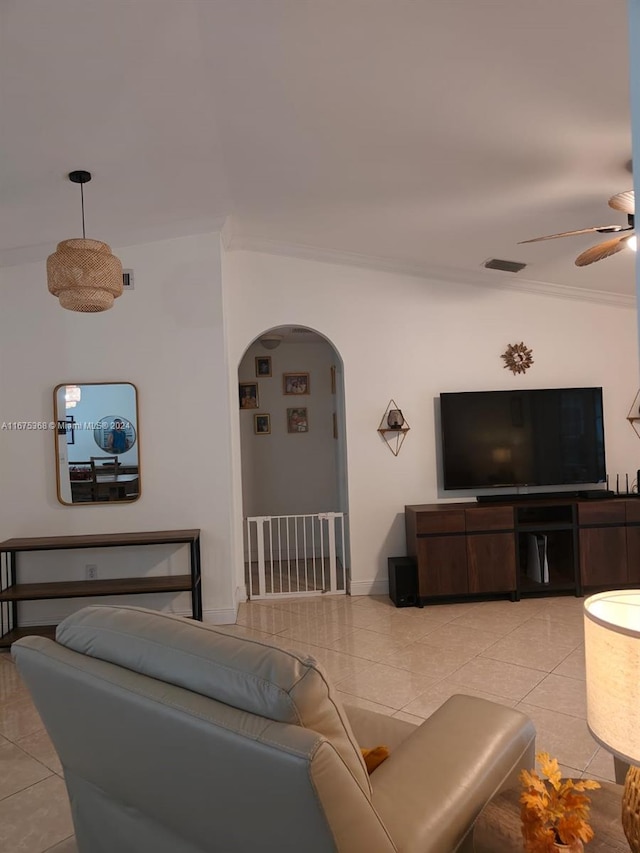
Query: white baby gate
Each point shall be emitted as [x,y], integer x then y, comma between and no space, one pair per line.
[295,554]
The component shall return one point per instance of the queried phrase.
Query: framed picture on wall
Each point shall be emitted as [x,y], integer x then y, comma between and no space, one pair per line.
[263,365]
[248,395]
[262,424]
[295,383]
[297,420]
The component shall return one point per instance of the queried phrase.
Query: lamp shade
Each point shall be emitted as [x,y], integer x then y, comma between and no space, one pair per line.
[612,655]
[84,275]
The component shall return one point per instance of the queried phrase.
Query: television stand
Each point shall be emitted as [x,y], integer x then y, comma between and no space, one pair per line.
[525,545]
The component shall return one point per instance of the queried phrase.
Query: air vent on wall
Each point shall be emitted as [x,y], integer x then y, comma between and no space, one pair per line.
[504,266]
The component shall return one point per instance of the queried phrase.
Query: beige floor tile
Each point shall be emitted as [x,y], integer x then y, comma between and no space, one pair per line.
[271,621]
[35,819]
[561,735]
[431,661]
[600,766]
[39,746]
[385,685]
[504,607]
[316,633]
[542,655]
[453,635]
[497,678]
[375,601]
[569,772]
[545,629]
[409,630]
[337,664]
[18,718]
[18,770]
[560,693]
[573,665]
[311,605]
[348,699]
[409,718]
[490,620]
[67,846]
[11,685]
[357,617]
[363,643]
[429,701]
[244,631]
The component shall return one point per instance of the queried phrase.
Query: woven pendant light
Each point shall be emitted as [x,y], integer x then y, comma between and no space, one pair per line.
[83,273]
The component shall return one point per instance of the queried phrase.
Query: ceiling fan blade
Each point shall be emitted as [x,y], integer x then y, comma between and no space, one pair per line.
[625,202]
[602,229]
[602,250]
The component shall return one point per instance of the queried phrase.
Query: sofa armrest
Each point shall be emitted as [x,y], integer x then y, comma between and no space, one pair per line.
[371,728]
[433,786]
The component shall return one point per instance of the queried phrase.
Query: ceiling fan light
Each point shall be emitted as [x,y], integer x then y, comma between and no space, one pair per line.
[271,341]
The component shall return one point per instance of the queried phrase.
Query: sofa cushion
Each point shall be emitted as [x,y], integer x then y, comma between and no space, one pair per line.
[248,674]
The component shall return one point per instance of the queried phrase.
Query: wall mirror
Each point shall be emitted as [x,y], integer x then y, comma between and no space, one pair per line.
[97,443]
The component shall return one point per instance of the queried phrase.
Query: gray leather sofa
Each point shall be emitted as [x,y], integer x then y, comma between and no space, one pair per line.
[179,737]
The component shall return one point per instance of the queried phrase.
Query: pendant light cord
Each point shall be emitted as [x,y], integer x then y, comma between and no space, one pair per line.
[82,202]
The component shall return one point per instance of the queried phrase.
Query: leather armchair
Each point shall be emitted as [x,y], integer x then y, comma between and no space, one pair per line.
[179,737]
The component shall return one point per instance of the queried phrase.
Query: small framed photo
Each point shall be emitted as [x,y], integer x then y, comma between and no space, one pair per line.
[297,420]
[248,395]
[295,383]
[263,365]
[262,424]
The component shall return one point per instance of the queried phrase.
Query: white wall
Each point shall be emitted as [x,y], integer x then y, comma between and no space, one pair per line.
[399,337]
[167,338]
[409,339]
[285,473]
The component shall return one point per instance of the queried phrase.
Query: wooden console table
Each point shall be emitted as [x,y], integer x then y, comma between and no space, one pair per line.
[11,592]
[498,829]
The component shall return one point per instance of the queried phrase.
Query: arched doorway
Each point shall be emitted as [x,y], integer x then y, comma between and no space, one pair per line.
[294,480]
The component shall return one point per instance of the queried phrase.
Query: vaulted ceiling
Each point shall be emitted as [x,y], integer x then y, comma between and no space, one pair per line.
[424,135]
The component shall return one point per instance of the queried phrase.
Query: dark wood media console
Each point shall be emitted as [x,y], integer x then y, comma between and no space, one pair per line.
[487,549]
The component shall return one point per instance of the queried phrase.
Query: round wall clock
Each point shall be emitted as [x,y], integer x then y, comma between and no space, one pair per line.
[517,357]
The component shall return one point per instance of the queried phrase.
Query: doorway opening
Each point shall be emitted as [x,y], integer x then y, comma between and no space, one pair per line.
[294,478]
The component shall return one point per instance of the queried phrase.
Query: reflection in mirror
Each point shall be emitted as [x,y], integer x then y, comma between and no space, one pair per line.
[97,452]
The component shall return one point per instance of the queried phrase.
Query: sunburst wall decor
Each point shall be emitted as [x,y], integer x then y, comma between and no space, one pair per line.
[517,357]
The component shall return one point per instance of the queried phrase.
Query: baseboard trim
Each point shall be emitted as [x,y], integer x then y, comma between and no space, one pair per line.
[369,587]
[226,616]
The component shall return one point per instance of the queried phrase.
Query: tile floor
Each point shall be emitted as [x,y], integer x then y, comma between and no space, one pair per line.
[402,662]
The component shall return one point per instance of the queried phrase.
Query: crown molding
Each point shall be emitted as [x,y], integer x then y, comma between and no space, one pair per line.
[39,252]
[480,277]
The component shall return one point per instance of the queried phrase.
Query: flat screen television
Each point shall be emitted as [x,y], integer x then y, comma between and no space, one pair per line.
[498,439]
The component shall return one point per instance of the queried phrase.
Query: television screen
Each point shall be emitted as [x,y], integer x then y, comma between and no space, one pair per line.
[493,439]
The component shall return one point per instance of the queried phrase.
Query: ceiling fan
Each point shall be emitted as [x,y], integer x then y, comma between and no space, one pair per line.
[624,202]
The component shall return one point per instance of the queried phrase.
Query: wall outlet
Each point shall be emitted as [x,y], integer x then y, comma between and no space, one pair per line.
[91,571]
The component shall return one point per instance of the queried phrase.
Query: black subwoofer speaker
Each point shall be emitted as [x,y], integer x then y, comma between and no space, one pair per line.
[403,581]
